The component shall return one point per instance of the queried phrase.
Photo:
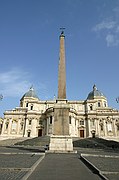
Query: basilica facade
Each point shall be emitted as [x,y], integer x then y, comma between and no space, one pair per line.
[86,118]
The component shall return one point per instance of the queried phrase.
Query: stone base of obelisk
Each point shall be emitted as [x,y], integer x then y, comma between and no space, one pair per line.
[61,144]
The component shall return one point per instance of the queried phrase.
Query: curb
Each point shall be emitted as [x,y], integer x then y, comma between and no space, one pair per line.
[60,152]
[26,176]
[92,167]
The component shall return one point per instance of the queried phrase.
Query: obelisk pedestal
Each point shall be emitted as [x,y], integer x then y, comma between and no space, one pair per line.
[61,144]
[60,141]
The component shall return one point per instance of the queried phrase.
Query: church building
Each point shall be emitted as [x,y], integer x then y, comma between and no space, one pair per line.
[91,117]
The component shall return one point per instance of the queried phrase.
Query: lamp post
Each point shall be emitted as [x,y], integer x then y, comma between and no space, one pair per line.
[117,99]
[1,97]
[1,120]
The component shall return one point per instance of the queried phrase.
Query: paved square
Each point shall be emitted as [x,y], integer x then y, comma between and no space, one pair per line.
[15,163]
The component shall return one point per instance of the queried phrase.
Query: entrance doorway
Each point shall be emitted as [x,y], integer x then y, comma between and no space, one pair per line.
[39,132]
[82,133]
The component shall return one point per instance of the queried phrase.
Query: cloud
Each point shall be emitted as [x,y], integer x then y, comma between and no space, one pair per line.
[109,28]
[104,25]
[14,82]
[112,40]
[117,29]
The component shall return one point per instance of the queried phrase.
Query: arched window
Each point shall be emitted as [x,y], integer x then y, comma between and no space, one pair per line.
[31,107]
[29,133]
[6,126]
[101,127]
[91,107]
[99,104]
[105,104]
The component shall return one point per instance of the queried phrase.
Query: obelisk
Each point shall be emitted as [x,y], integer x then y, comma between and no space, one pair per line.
[61,108]
[61,141]
[62,69]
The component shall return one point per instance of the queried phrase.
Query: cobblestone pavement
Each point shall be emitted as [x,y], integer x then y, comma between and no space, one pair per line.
[107,162]
[15,163]
[11,174]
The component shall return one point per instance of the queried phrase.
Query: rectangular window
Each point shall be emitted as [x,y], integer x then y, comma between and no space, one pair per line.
[30,122]
[92,122]
[118,128]
[26,104]
[6,125]
[109,127]
[50,119]
[14,125]
[82,122]
[21,127]
[69,119]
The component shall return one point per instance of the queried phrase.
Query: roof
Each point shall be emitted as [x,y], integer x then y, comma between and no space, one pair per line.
[95,93]
[30,93]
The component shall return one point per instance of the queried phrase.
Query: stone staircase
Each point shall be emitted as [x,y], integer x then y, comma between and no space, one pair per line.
[96,143]
[10,142]
[37,141]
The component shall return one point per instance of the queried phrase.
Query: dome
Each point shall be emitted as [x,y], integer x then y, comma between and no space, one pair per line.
[30,93]
[95,93]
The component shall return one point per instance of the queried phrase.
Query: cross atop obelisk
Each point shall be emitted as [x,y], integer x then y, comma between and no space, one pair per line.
[62,69]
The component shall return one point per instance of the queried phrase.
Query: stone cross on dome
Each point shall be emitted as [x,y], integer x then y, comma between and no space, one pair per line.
[94,88]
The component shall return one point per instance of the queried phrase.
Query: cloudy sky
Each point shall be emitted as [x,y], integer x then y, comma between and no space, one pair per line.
[29,48]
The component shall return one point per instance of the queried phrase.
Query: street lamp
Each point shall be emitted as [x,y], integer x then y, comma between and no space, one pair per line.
[117,99]
[1,97]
